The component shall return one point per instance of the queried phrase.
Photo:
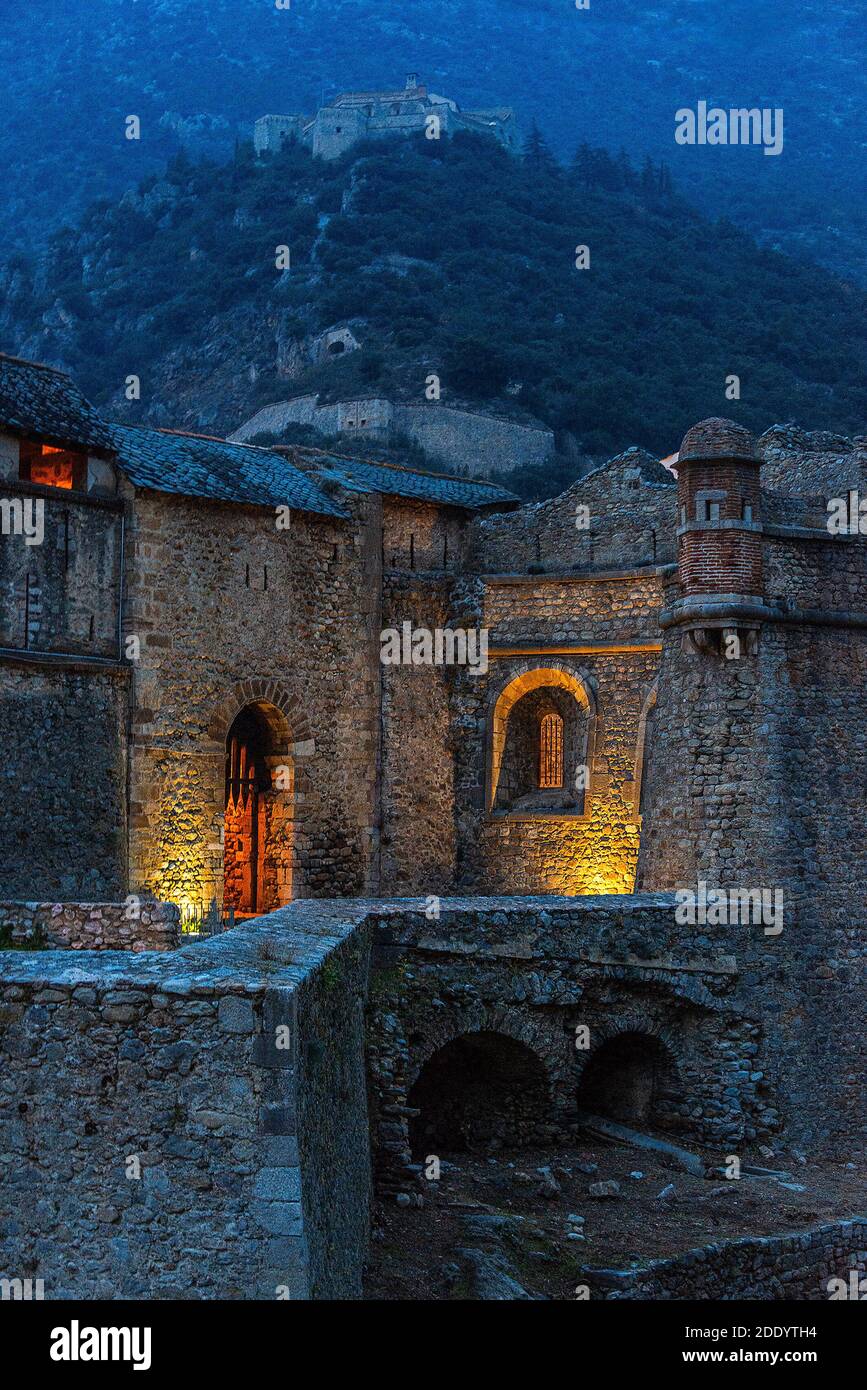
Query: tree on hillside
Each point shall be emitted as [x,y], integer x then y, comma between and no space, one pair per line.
[537,153]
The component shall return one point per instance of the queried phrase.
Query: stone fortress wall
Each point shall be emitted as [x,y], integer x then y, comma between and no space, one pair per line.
[232,611]
[420,779]
[213,1097]
[215,1110]
[483,445]
[213,1145]
[772,791]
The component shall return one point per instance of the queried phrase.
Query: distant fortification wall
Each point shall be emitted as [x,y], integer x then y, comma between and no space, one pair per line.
[484,445]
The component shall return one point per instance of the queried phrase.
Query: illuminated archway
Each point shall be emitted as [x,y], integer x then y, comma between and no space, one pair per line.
[553,677]
[258,824]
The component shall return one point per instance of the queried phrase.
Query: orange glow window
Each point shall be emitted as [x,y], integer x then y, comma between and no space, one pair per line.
[52,467]
[551,751]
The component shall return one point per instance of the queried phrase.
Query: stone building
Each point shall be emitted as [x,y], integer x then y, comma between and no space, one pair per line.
[354,116]
[193,643]
[599,760]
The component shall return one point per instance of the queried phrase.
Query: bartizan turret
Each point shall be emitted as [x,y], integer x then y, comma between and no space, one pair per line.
[719,540]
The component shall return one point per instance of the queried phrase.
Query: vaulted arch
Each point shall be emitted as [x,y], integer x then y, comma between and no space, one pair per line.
[555,677]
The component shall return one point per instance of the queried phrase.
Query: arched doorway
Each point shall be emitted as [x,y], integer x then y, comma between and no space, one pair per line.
[479,1090]
[257,841]
[631,1078]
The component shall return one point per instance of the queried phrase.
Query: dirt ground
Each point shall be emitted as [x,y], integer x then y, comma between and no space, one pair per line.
[413,1253]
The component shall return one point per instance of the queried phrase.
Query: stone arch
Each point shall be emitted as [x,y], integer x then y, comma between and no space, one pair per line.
[638,1066]
[524,678]
[642,748]
[288,754]
[399,1049]
[481,1086]
[512,1023]
[261,690]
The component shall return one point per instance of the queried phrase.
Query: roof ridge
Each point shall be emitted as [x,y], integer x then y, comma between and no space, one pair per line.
[403,468]
[40,366]
[189,434]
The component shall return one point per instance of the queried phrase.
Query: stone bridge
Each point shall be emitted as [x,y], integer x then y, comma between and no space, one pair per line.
[197,1122]
[498,1019]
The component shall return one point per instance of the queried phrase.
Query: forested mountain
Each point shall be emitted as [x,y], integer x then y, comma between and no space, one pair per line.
[198,75]
[448,257]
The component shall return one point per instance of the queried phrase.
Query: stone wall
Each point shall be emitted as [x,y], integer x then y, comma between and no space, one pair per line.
[599,635]
[629,521]
[794,1267]
[757,781]
[212,1101]
[535,970]
[188,1124]
[63,594]
[133,926]
[807,464]
[482,445]
[418,795]
[232,611]
[63,793]
[421,536]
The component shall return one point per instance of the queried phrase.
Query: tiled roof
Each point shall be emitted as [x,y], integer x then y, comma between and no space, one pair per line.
[197,466]
[357,475]
[46,404]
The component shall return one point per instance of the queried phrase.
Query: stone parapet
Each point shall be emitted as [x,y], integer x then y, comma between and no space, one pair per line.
[126,926]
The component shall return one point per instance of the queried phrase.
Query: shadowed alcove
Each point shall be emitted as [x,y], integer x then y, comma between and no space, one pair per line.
[480,1090]
[631,1078]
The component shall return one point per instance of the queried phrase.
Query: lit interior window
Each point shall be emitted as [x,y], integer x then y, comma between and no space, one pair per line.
[52,467]
[551,751]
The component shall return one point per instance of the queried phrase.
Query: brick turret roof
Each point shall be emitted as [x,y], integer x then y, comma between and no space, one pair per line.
[717,438]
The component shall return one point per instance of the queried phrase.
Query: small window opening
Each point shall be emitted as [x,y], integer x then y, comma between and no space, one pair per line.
[551,751]
[51,467]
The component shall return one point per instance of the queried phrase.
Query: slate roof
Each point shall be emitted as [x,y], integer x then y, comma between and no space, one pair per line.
[46,404]
[194,465]
[357,475]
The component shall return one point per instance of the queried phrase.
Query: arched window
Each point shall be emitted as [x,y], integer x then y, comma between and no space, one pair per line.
[551,751]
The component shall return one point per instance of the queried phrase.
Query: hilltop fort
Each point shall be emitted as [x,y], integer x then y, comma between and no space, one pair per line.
[354,116]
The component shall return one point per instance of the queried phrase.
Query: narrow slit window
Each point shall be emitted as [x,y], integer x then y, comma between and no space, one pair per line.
[551,751]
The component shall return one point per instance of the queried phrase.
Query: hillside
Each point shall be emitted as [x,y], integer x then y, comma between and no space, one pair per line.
[199,75]
[449,257]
